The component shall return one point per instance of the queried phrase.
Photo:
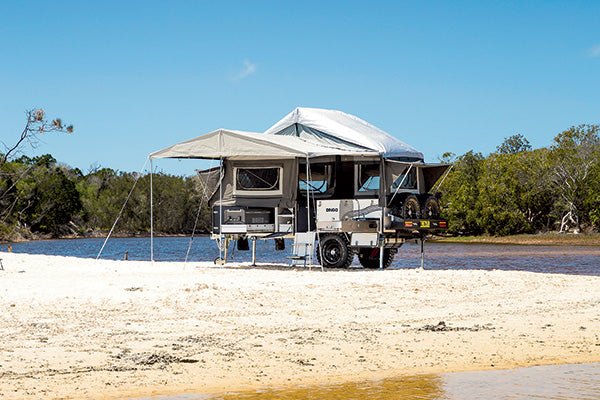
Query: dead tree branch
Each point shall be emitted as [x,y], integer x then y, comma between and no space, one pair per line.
[36,125]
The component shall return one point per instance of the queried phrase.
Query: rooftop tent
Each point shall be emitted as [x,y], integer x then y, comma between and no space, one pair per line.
[338,130]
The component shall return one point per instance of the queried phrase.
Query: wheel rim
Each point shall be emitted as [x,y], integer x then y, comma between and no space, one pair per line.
[332,252]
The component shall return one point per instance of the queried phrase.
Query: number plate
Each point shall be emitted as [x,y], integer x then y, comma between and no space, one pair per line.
[425,224]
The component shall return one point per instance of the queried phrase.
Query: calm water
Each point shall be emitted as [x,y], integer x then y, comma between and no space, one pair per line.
[575,381]
[580,260]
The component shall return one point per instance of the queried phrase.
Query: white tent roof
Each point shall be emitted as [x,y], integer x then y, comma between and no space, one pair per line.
[338,129]
[242,145]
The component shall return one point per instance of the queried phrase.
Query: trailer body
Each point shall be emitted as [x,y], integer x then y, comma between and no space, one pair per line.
[358,189]
[349,202]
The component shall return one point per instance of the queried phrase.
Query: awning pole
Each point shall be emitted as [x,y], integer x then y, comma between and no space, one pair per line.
[308,207]
[221,208]
[151,215]
[221,256]
[382,190]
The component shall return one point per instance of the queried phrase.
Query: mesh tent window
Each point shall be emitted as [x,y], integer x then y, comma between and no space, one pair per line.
[368,178]
[406,178]
[257,179]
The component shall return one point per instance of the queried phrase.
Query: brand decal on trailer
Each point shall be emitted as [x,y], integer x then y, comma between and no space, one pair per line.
[332,209]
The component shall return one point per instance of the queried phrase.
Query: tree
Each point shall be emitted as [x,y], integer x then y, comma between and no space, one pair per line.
[533,170]
[575,152]
[100,199]
[44,199]
[498,198]
[515,195]
[592,196]
[104,191]
[12,174]
[36,124]
[514,144]
[447,158]
[460,194]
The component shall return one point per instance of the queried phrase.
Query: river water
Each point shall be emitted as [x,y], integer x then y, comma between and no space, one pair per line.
[580,260]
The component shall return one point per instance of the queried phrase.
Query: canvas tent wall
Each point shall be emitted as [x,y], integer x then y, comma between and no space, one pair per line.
[431,173]
[282,195]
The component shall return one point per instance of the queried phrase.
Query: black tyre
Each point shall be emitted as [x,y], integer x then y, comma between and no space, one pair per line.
[411,209]
[369,257]
[334,251]
[431,208]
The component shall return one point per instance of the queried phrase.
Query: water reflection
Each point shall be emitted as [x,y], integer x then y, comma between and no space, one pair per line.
[424,387]
[551,382]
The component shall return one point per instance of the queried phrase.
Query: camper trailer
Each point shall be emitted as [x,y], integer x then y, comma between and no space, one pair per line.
[335,184]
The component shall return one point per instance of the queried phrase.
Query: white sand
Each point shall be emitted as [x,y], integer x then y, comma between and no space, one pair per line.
[75,328]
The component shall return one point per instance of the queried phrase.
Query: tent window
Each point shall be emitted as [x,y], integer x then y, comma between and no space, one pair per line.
[319,182]
[368,178]
[257,179]
[408,181]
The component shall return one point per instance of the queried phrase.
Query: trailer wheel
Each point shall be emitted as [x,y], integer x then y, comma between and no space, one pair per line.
[369,257]
[335,251]
[411,208]
[431,208]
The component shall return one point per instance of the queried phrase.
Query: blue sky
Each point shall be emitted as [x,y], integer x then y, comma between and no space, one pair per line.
[137,76]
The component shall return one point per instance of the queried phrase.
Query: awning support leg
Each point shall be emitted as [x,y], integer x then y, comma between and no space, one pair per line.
[422,254]
[381,254]
[382,208]
[151,215]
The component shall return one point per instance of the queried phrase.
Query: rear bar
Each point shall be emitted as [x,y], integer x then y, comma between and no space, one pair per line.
[424,224]
[415,226]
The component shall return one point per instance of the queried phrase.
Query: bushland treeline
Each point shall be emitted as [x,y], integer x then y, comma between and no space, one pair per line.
[514,190]
[519,190]
[41,196]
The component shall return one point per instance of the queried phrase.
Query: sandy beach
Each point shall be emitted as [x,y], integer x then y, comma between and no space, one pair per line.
[80,328]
